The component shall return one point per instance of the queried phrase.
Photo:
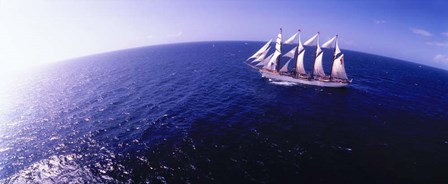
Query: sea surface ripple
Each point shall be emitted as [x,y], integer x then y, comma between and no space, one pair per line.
[194,113]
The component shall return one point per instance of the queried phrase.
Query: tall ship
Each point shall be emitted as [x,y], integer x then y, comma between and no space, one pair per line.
[269,65]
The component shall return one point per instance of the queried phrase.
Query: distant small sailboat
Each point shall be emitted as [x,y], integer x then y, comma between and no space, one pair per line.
[269,66]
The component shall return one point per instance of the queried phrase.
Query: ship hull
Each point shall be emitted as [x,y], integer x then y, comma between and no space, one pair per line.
[314,82]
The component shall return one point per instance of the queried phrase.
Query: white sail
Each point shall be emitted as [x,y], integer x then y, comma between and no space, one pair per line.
[265,61]
[291,53]
[262,56]
[300,68]
[318,68]
[272,64]
[336,48]
[291,39]
[300,46]
[285,67]
[338,69]
[312,40]
[329,42]
[262,49]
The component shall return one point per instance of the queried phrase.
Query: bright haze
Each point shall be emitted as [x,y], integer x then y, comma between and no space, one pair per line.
[36,32]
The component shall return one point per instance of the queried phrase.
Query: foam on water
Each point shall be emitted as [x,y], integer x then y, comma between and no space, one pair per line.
[283,83]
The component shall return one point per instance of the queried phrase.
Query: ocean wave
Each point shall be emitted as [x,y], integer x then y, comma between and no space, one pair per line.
[59,169]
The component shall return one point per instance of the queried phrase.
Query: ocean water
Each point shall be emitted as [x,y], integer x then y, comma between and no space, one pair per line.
[194,113]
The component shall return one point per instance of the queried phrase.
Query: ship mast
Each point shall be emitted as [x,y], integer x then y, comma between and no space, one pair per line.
[296,55]
[290,54]
[273,63]
[338,68]
[279,47]
[315,55]
[300,69]
[334,57]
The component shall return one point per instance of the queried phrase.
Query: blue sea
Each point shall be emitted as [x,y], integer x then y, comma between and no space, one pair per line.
[195,113]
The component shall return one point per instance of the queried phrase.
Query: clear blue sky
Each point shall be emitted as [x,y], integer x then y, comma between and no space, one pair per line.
[40,31]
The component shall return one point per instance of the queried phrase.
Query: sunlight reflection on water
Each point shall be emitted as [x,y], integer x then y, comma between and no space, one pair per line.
[62,169]
[7,81]
[10,84]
